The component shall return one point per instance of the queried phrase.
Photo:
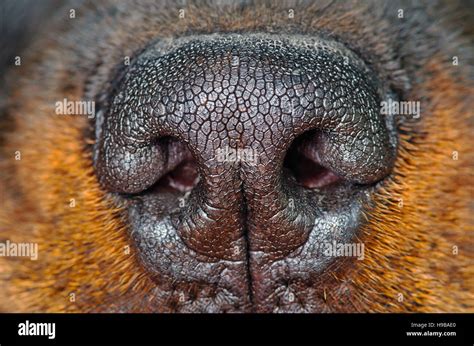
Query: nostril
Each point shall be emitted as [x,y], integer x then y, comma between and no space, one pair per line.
[163,163]
[183,178]
[179,169]
[303,162]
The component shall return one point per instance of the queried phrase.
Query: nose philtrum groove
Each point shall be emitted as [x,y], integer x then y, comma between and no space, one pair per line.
[248,259]
[240,105]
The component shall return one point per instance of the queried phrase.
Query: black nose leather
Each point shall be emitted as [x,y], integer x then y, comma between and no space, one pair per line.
[268,145]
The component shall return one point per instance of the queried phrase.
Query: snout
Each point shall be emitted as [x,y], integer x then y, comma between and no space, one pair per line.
[240,159]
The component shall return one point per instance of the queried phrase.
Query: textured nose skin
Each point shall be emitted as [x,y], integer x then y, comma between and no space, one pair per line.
[247,219]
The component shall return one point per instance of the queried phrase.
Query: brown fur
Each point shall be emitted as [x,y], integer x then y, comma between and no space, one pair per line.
[409,245]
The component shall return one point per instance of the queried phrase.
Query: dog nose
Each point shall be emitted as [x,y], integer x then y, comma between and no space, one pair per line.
[230,142]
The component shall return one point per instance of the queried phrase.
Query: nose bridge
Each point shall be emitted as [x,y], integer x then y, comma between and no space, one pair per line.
[237,137]
[246,123]
[243,110]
